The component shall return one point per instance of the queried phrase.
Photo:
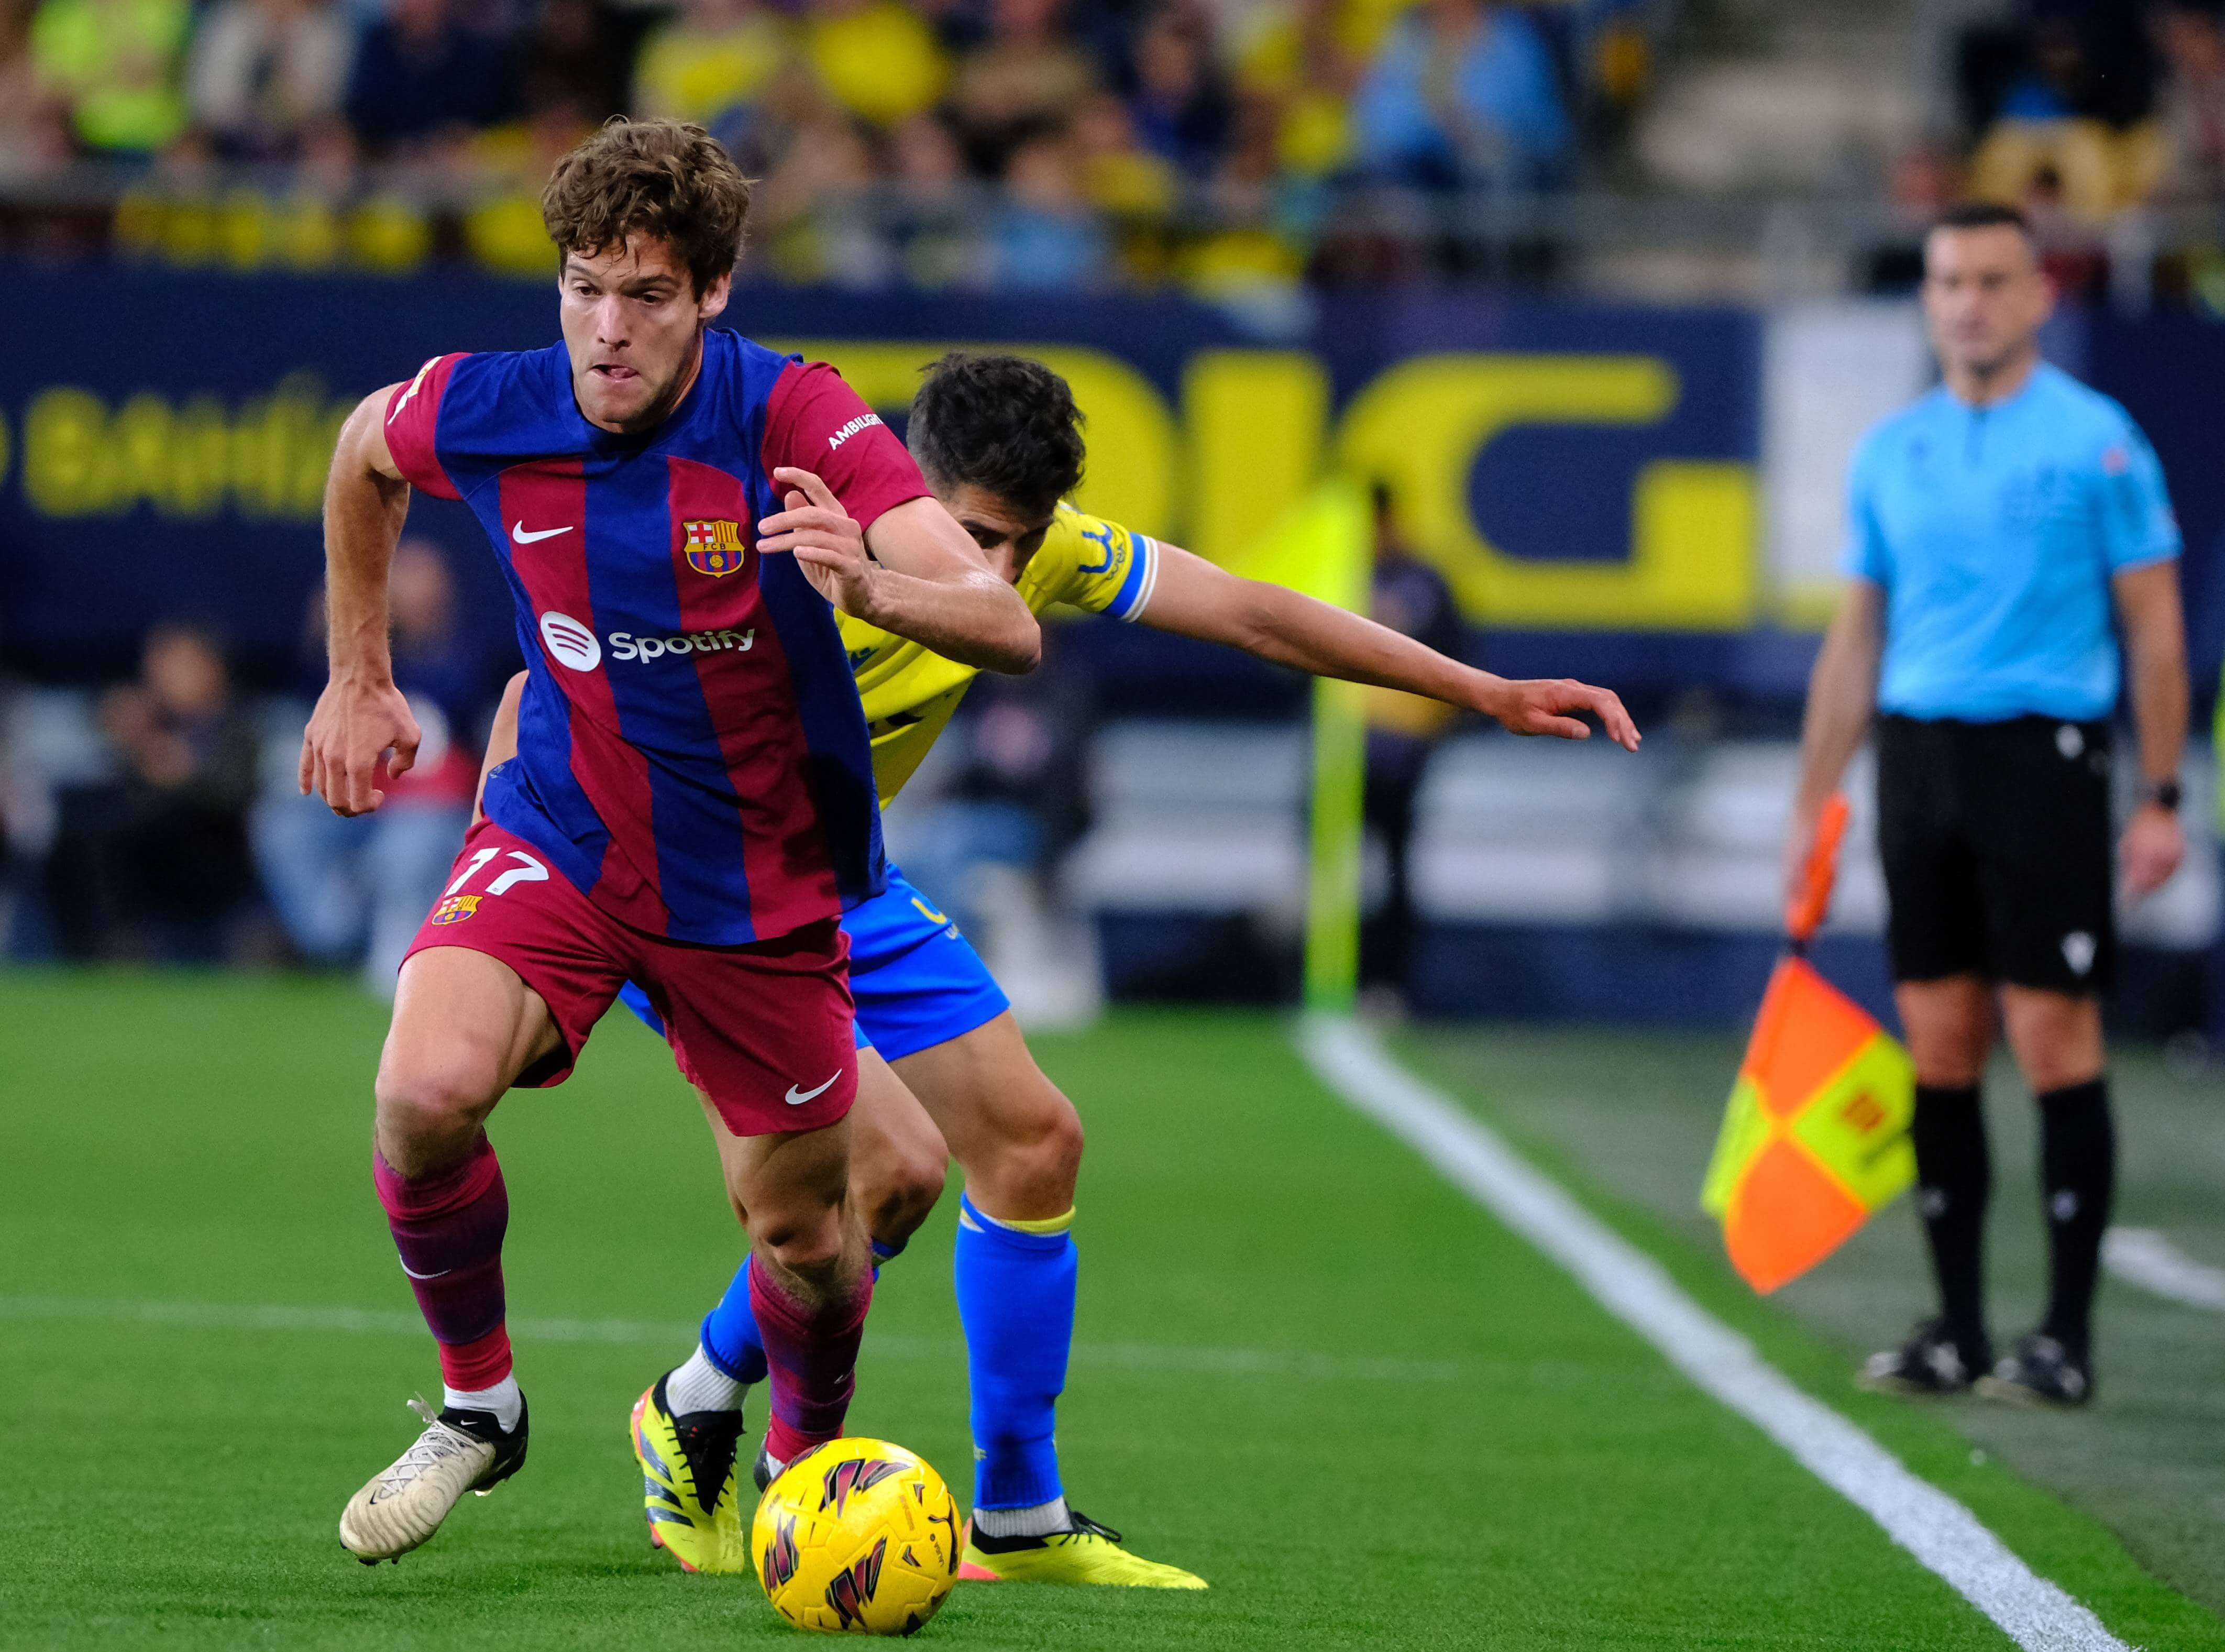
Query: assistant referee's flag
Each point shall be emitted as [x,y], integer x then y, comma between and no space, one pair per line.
[1815,1138]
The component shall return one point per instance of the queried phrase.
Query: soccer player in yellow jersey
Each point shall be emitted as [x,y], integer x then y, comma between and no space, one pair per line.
[1078,561]
[941,1061]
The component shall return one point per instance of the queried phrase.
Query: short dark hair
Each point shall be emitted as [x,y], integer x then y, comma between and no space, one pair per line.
[662,178]
[1984,215]
[1002,423]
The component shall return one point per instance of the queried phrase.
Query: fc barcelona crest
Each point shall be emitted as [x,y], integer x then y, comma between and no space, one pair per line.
[714,548]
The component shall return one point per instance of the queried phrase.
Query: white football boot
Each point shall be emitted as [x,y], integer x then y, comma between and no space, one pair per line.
[405,1505]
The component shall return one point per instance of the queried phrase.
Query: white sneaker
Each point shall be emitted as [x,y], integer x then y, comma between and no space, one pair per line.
[458,1452]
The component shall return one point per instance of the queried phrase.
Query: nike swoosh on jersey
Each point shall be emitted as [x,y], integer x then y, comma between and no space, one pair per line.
[517,533]
[797,1098]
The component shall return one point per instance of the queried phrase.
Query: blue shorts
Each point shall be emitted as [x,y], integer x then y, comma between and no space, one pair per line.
[918,981]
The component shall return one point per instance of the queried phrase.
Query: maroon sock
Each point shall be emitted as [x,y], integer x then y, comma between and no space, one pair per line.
[812,1358]
[448,1227]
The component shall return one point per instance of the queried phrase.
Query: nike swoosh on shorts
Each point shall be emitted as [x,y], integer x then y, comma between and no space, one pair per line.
[797,1098]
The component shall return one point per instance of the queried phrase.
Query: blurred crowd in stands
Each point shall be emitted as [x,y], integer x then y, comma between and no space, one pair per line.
[2096,117]
[948,143]
[162,819]
[1224,146]
[2089,107]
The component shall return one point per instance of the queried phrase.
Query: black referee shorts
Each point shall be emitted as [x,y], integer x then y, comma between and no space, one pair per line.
[1996,844]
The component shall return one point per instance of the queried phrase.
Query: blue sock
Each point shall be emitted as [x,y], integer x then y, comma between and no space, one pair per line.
[1015,1300]
[730,1330]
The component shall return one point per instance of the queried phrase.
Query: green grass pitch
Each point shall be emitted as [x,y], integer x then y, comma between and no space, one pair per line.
[1306,1368]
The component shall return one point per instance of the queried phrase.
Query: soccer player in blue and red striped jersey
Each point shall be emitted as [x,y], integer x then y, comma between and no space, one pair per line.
[949,1075]
[692,803]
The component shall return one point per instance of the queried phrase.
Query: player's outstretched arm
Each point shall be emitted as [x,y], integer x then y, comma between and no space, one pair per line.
[361,715]
[915,573]
[1842,699]
[1192,598]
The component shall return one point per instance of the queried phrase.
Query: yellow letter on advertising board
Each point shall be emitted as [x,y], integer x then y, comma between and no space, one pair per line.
[1420,425]
[65,459]
[1256,418]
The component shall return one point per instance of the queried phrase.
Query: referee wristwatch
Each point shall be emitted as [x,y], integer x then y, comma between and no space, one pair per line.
[2164,793]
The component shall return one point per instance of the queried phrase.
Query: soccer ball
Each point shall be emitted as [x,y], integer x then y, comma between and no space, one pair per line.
[857,1535]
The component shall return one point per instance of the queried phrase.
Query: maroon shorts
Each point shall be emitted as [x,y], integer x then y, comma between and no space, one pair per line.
[764,1031]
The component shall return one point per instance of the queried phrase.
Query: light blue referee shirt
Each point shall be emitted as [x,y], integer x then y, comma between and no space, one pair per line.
[1995,532]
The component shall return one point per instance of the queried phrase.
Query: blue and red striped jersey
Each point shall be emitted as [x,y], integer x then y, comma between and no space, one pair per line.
[690,748]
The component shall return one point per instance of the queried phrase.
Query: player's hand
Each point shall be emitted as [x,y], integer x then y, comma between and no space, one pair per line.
[1548,706]
[356,724]
[2150,850]
[819,534]
[1799,846]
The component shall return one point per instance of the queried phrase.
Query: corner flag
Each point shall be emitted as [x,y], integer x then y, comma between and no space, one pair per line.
[1815,1139]
[1323,547]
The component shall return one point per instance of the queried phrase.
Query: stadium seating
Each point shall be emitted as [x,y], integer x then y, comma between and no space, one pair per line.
[1589,852]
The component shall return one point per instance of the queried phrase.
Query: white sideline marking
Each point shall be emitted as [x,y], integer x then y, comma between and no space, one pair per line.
[2145,1257]
[1933,1527]
[1124,1356]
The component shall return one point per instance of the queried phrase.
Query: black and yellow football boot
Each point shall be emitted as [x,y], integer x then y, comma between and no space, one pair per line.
[1084,1553]
[690,1483]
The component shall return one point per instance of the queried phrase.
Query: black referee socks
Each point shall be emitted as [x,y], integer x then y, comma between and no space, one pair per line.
[2078,1174]
[1955,1176]
[2078,1181]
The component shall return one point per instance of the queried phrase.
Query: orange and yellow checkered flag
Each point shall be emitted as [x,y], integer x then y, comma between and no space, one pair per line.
[1815,1138]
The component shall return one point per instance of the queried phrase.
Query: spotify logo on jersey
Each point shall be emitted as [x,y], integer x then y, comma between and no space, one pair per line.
[573,643]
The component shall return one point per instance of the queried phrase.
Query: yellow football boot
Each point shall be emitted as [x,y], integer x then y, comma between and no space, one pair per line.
[1085,1552]
[680,1457]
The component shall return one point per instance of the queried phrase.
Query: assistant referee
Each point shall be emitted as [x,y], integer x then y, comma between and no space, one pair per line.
[1996,526]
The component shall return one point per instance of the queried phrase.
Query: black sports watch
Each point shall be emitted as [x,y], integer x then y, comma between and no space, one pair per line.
[2166,793]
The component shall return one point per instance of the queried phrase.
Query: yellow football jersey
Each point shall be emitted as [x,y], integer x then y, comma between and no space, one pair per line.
[910,694]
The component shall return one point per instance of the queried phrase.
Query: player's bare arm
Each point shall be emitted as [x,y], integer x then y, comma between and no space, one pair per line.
[1194,598]
[915,573]
[361,716]
[1841,700]
[2155,658]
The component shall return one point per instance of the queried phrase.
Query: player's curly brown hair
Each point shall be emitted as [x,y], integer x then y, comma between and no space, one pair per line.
[662,178]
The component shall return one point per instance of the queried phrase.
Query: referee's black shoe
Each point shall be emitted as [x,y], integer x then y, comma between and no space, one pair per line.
[1933,1361]
[2041,1372]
